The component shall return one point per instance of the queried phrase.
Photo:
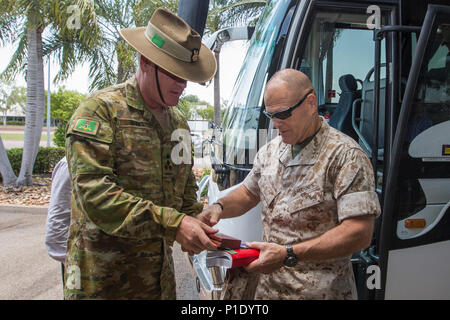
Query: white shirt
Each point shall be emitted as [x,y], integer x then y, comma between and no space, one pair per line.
[58,218]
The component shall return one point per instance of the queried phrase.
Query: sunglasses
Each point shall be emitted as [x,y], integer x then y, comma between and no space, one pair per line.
[167,73]
[172,76]
[286,113]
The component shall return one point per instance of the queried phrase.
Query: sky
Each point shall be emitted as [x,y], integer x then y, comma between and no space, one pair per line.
[231,58]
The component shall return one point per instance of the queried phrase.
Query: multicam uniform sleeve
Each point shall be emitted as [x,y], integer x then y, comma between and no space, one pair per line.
[89,152]
[190,204]
[354,186]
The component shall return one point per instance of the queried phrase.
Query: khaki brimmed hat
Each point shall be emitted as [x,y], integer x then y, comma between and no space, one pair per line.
[173,45]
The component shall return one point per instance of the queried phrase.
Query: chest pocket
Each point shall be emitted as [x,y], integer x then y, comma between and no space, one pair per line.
[138,149]
[305,197]
[267,191]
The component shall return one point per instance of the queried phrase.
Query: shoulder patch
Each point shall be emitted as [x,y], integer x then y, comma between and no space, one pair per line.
[86,126]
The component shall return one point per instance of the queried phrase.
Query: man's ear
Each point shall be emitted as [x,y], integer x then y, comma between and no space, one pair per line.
[312,101]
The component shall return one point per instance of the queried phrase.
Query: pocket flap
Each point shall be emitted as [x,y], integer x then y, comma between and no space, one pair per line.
[306,197]
[268,192]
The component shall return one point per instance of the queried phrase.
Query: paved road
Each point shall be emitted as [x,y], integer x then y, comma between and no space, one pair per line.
[9,144]
[27,272]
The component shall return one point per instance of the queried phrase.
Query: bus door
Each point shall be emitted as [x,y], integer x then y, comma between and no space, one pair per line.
[414,242]
[334,46]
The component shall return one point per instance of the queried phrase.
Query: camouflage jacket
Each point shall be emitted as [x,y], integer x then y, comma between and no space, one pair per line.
[330,180]
[128,198]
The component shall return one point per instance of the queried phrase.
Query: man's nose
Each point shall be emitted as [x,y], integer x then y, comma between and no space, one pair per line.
[182,84]
[277,123]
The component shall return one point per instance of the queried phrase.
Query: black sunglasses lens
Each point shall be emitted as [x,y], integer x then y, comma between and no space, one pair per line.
[283,115]
[279,115]
[288,112]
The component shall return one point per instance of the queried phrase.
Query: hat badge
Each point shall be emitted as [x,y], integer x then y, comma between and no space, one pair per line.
[195,53]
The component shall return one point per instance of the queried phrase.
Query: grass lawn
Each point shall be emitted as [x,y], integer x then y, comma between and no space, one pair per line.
[20,136]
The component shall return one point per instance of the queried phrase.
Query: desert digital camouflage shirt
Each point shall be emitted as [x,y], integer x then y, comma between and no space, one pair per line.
[128,198]
[330,180]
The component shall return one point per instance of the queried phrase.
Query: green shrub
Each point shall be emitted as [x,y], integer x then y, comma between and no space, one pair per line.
[15,158]
[59,137]
[15,122]
[207,172]
[46,159]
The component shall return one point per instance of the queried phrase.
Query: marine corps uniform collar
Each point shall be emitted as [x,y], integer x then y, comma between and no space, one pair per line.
[309,154]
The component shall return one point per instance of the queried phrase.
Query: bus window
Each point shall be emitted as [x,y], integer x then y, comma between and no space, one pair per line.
[339,59]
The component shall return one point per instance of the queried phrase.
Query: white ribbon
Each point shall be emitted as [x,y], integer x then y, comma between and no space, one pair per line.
[169,46]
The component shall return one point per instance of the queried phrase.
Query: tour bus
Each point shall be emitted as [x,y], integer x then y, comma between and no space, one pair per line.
[381,70]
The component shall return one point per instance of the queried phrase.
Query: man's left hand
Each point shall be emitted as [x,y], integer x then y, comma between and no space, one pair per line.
[270,259]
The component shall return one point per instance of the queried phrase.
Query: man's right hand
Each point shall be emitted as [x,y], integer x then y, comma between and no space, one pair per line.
[210,215]
[192,235]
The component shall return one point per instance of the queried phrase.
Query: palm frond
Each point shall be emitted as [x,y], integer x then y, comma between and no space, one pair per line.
[241,12]
[11,19]
[18,62]
[227,13]
[244,4]
[143,9]
[101,71]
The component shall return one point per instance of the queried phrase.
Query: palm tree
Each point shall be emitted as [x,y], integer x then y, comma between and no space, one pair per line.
[9,96]
[226,13]
[6,169]
[32,17]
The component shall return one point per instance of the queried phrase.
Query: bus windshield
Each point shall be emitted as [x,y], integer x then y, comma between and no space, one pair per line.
[241,116]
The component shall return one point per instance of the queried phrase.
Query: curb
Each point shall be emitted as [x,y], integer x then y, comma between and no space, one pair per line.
[9,208]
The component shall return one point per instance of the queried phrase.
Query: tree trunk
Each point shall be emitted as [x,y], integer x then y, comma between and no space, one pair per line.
[35,105]
[217,92]
[6,170]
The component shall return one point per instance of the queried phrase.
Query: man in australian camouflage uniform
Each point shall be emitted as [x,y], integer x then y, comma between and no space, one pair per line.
[318,201]
[131,195]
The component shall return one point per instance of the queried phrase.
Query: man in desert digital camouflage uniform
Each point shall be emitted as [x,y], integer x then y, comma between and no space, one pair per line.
[131,196]
[318,201]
